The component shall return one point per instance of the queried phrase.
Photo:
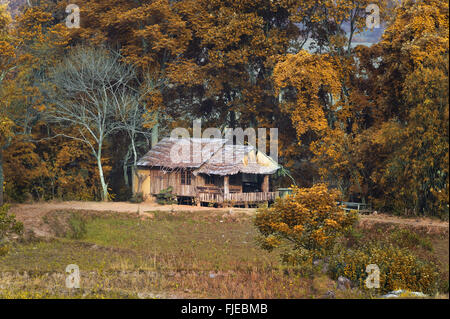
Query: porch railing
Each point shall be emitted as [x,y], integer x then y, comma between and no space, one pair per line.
[238,197]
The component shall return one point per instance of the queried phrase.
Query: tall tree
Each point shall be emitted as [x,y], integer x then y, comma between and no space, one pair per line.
[414,100]
[24,43]
[90,86]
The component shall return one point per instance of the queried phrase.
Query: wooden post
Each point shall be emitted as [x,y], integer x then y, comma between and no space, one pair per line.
[265,184]
[226,187]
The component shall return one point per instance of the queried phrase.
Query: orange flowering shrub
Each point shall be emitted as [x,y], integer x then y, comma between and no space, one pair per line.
[306,223]
[399,268]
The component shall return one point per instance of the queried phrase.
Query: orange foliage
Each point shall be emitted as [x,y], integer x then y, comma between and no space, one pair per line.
[308,221]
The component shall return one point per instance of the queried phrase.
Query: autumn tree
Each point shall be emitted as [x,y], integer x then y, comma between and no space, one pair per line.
[34,164]
[33,35]
[90,86]
[415,65]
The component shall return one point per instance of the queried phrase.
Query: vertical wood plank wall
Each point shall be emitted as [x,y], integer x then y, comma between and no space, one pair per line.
[160,180]
[232,186]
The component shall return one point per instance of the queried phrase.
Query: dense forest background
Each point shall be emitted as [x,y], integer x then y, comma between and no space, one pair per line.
[78,106]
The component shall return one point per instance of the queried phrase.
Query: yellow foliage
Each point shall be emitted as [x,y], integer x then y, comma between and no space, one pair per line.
[307,220]
[399,269]
[308,74]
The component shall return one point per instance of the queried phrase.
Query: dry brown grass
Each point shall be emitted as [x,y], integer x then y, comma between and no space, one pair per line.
[206,254]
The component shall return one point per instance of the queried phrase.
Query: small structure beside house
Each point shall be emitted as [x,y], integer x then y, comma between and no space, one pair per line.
[206,171]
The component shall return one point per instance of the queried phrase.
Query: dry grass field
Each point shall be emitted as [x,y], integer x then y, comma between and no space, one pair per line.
[173,253]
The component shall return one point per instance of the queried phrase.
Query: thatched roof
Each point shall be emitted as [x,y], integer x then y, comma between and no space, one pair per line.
[208,156]
[233,159]
[168,153]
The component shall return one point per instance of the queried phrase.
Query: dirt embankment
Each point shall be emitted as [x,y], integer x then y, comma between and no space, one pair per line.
[36,217]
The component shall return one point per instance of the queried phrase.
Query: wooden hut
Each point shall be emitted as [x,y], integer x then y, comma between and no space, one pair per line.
[206,171]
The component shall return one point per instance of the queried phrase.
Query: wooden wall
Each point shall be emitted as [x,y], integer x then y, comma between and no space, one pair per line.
[162,180]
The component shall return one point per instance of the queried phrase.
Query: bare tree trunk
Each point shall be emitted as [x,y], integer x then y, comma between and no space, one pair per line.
[102,177]
[1,176]
[125,169]
[358,184]
[125,175]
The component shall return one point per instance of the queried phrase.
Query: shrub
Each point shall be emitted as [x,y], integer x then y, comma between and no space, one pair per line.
[137,198]
[165,197]
[8,226]
[77,225]
[407,238]
[399,269]
[307,223]
[124,193]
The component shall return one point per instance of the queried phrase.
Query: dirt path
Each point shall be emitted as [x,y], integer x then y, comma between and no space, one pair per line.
[417,222]
[32,213]
[39,209]
[120,207]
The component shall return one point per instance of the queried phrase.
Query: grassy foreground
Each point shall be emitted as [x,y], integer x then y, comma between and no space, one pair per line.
[172,255]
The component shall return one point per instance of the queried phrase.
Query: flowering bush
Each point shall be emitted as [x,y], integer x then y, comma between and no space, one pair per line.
[307,223]
[399,269]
